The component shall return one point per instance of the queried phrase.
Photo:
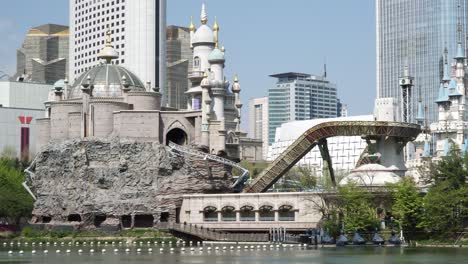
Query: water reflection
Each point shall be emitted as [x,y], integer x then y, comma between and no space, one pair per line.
[348,255]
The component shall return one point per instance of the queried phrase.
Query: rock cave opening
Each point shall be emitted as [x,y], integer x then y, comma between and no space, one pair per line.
[46,219]
[126,221]
[164,218]
[144,221]
[74,218]
[99,219]
[178,136]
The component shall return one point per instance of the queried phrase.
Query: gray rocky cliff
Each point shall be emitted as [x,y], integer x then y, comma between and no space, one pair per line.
[115,178]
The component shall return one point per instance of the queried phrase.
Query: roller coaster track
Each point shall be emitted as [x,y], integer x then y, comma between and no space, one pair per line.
[317,135]
[178,149]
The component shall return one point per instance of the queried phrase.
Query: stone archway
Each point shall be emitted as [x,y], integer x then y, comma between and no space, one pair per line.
[177,136]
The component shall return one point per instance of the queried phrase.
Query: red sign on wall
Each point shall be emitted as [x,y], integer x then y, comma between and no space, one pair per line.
[24,136]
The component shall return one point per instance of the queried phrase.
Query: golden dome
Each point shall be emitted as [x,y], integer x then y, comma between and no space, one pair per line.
[216,26]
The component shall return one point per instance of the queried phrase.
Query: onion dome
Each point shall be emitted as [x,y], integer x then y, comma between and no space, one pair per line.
[108,53]
[236,86]
[192,26]
[205,83]
[216,56]
[204,34]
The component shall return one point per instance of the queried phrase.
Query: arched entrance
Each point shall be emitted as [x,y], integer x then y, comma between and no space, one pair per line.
[178,136]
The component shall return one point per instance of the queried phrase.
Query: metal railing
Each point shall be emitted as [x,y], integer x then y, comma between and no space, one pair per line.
[192,152]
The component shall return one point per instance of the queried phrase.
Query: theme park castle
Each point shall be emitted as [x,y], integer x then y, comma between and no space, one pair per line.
[110,101]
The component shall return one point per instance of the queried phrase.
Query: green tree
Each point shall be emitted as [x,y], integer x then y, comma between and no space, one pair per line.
[408,206]
[15,202]
[446,203]
[356,208]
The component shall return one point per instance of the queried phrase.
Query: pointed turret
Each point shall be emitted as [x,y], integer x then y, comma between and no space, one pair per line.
[460,51]
[216,32]
[204,15]
[420,115]
[446,75]
[443,96]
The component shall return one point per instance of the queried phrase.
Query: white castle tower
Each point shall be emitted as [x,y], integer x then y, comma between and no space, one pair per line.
[209,91]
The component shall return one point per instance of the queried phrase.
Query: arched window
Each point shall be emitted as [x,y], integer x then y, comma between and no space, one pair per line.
[247,213]
[286,213]
[266,213]
[210,214]
[196,63]
[228,214]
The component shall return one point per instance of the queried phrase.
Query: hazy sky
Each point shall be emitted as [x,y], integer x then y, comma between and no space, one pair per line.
[261,37]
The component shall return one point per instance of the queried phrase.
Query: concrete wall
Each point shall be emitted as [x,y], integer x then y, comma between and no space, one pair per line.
[137,124]
[171,120]
[43,132]
[144,100]
[74,125]
[59,118]
[305,214]
[102,117]
[10,128]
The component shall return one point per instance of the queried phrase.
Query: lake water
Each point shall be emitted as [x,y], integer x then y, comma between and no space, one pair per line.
[348,255]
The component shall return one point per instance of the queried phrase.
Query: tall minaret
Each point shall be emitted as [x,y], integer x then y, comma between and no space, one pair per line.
[206,110]
[406,84]
[420,114]
[236,90]
[218,87]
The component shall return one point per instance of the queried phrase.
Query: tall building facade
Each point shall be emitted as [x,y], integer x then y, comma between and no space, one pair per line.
[179,58]
[138,35]
[415,33]
[299,96]
[43,56]
[258,122]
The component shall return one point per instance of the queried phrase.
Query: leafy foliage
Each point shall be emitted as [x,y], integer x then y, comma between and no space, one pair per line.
[15,202]
[408,206]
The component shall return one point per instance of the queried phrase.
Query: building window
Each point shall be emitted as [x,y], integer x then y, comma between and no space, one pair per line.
[210,214]
[266,213]
[228,214]
[196,63]
[286,213]
[247,213]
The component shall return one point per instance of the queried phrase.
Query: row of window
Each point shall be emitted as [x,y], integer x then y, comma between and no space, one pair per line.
[247,213]
[84,5]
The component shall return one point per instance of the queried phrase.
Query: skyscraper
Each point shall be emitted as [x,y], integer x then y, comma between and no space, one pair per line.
[179,58]
[138,34]
[299,96]
[43,55]
[415,33]
[258,122]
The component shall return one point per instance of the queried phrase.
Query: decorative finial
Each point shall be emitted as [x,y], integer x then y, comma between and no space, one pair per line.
[192,26]
[236,78]
[108,53]
[222,48]
[204,16]
[205,74]
[216,30]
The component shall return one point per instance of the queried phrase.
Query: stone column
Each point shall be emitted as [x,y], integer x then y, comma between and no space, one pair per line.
[257,216]
[237,216]
[276,216]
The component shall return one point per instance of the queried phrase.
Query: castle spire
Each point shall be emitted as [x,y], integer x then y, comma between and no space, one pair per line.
[216,32]
[446,75]
[204,15]
[460,51]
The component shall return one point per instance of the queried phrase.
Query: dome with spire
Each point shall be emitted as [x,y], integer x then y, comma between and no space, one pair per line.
[106,79]
[216,56]
[203,34]
[236,86]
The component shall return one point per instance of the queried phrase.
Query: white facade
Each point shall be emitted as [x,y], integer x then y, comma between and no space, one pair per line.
[24,95]
[386,109]
[138,34]
[10,132]
[258,121]
[344,151]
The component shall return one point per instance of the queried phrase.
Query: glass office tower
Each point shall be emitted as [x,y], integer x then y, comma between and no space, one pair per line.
[299,96]
[416,32]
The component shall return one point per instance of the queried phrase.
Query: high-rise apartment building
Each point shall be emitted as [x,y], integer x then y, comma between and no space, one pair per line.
[415,32]
[179,59]
[258,122]
[43,56]
[299,96]
[138,35]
